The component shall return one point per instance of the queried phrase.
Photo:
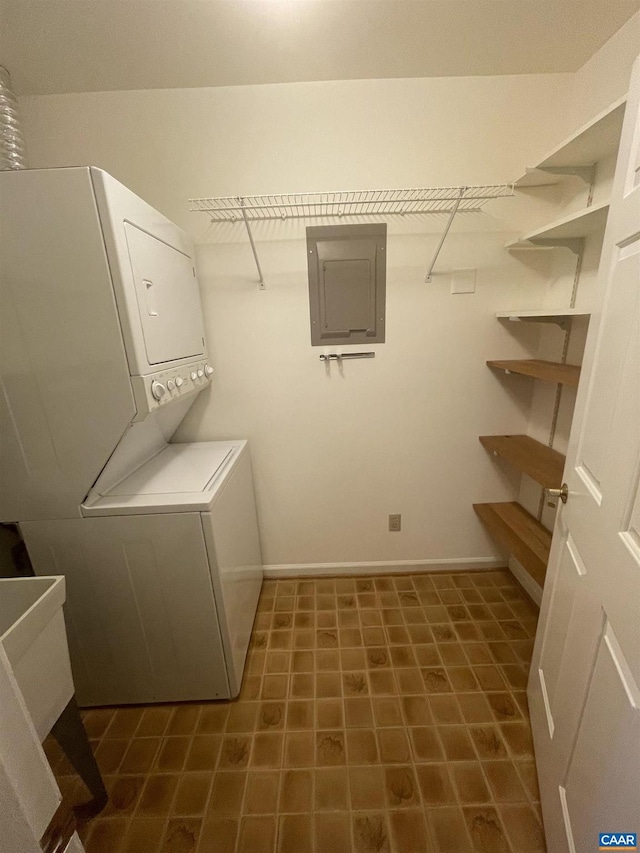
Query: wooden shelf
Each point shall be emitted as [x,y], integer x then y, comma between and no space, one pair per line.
[520,533]
[543,464]
[548,371]
[594,141]
[574,226]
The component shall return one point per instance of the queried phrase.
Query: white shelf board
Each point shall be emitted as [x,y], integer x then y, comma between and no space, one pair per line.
[594,141]
[542,314]
[574,226]
[536,178]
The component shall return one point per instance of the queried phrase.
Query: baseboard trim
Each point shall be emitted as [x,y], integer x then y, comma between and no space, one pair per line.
[525,580]
[398,567]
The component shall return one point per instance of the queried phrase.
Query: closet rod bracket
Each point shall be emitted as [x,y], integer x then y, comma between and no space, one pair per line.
[261,281]
[454,210]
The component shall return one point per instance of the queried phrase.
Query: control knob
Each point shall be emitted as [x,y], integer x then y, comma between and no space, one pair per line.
[179,381]
[208,369]
[171,385]
[193,375]
[200,374]
[158,390]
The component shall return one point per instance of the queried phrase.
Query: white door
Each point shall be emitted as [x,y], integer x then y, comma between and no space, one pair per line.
[29,795]
[168,298]
[584,685]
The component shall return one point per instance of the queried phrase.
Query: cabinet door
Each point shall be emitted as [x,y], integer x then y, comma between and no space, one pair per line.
[140,611]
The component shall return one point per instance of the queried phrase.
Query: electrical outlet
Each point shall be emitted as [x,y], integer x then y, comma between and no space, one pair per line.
[395,522]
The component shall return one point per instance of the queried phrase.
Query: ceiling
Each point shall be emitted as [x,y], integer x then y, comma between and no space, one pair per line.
[101,45]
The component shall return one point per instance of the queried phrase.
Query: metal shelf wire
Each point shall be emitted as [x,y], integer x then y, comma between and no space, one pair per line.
[400,202]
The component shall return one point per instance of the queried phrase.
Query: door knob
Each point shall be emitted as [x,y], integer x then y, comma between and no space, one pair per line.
[562,493]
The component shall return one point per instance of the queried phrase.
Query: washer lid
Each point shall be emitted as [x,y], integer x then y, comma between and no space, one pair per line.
[179,468]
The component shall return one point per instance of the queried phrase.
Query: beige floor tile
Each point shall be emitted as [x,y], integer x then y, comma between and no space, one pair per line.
[154,721]
[371,832]
[204,750]
[182,835]
[486,829]
[409,832]
[234,752]
[124,794]
[330,748]
[296,791]
[261,796]
[257,835]
[331,789]
[394,746]
[332,832]
[329,714]
[449,830]
[358,713]
[523,828]
[426,744]
[267,750]
[435,784]
[144,835]
[470,782]
[172,754]
[107,836]
[401,787]
[192,794]
[227,793]
[362,747]
[300,715]
[295,834]
[367,788]
[219,835]
[242,717]
[299,749]
[504,781]
[157,795]
[271,716]
[140,755]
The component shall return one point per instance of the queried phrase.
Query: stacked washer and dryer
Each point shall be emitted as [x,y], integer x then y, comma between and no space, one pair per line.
[102,353]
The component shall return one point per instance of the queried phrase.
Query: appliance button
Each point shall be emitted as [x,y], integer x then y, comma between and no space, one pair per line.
[200,374]
[171,385]
[208,369]
[179,381]
[193,375]
[158,390]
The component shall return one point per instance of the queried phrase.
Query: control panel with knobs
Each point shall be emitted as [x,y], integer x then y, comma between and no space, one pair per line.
[158,390]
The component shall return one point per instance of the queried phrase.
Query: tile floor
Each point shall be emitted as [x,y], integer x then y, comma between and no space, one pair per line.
[376,714]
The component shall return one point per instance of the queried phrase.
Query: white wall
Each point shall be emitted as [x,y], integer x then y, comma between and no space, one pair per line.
[334,454]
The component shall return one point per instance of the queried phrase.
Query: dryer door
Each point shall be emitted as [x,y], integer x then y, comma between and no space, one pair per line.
[168,298]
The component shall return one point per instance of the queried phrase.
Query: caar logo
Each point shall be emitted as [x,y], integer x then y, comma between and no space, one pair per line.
[618,841]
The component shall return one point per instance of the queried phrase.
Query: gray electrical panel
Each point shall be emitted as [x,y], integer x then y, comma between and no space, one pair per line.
[347,283]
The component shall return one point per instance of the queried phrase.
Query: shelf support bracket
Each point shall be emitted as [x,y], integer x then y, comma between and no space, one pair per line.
[585,173]
[574,244]
[261,285]
[454,210]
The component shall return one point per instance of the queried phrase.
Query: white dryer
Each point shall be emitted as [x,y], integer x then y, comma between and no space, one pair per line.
[103,353]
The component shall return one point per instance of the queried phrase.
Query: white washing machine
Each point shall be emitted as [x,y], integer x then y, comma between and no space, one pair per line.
[103,353]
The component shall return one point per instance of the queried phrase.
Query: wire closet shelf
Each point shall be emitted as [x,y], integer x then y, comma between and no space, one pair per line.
[398,202]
